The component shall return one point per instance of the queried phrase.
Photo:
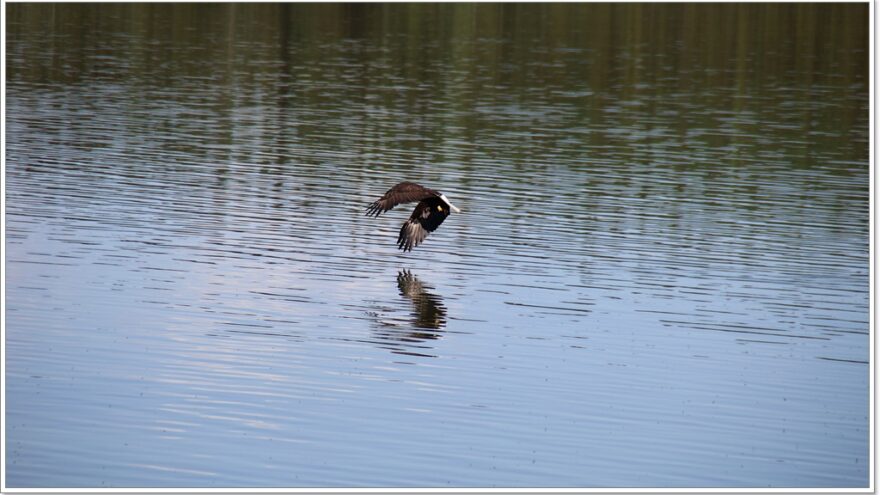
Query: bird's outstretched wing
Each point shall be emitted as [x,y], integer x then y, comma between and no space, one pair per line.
[405,192]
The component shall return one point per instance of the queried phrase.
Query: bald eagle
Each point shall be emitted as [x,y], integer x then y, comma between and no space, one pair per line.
[432,209]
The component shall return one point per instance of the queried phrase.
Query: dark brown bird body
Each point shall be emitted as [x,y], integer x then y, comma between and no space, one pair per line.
[432,209]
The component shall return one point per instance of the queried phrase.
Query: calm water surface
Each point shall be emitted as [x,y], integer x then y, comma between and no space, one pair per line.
[659,277]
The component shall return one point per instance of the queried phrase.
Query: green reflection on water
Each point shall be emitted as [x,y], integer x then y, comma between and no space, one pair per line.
[590,54]
[763,39]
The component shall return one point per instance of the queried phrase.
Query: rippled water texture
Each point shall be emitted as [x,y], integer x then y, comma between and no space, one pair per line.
[659,276]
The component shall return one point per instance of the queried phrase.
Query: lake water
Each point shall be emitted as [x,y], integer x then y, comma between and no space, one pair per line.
[659,278]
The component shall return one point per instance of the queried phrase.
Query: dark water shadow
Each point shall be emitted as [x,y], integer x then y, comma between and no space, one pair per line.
[425,322]
[429,313]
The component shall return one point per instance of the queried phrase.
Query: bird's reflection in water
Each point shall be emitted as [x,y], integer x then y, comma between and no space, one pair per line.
[425,323]
[429,312]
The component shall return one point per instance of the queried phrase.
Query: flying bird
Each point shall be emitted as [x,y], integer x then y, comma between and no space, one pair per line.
[432,209]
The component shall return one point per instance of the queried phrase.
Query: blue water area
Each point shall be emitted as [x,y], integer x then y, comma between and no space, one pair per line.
[659,277]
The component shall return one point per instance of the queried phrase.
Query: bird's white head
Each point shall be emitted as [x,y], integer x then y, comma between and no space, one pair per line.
[446,200]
